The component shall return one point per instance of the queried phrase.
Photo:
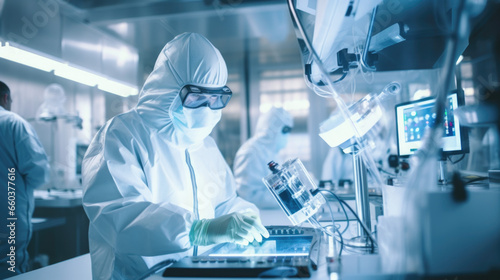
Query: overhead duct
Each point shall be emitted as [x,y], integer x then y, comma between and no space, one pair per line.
[47,30]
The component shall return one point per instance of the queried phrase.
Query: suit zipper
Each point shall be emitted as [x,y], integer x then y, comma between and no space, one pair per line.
[195,194]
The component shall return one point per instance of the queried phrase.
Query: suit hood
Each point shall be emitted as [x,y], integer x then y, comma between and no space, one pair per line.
[188,59]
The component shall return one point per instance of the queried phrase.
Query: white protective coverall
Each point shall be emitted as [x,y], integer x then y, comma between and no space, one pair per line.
[21,153]
[149,174]
[250,163]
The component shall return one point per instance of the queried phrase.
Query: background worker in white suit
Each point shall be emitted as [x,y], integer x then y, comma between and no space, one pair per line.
[250,164]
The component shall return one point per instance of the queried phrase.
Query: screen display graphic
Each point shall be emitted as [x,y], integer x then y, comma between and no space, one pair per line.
[414,118]
[273,246]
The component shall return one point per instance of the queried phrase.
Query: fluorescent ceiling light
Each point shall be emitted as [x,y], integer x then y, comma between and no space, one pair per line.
[117,88]
[64,70]
[27,58]
[78,75]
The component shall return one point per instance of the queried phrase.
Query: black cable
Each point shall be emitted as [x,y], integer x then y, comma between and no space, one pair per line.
[343,209]
[341,241]
[476,180]
[368,232]
[358,247]
[313,264]
[458,160]
[372,241]
[386,172]
[317,224]
[334,227]
[321,83]
[341,78]
[156,267]
[362,224]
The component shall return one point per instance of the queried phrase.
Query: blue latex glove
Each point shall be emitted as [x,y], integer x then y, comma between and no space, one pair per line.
[240,228]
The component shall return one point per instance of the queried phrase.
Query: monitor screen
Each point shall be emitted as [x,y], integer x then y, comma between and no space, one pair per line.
[273,246]
[415,117]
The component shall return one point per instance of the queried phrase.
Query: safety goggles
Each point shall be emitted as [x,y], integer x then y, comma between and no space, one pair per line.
[197,96]
[286,129]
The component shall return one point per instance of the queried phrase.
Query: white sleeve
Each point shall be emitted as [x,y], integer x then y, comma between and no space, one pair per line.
[119,203]
[32,161]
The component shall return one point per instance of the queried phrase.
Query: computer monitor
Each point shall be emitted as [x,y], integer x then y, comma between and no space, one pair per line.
[415,117]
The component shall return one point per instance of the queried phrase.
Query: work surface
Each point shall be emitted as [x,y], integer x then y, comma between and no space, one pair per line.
[79,268]
[75,269]
[353,267]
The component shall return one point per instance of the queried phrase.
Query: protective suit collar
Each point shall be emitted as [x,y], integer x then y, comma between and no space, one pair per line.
[188,59]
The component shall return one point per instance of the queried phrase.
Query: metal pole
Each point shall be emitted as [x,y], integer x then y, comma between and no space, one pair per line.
[361,193]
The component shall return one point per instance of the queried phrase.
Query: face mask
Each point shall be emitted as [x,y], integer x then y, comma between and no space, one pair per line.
[195,124]
[281,141]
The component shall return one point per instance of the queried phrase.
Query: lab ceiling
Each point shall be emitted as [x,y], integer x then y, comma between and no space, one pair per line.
[232,25]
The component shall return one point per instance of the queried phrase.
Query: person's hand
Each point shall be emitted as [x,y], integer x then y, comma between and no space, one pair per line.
[240,228]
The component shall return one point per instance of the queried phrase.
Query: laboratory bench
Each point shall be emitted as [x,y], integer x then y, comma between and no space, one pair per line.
[60,226]
[354,265]
[79,268]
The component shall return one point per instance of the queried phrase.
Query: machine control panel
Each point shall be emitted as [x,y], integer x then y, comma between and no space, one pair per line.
[289,250]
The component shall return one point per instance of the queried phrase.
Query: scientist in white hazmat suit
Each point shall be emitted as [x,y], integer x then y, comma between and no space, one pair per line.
[25,167]
[250,163]
[155,184]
